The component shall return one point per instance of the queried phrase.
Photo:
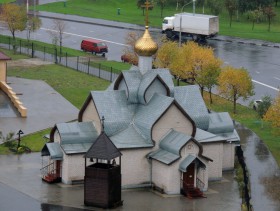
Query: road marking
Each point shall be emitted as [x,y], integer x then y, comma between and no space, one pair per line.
[277,78]
[78,35]
[257,72]
[271,87]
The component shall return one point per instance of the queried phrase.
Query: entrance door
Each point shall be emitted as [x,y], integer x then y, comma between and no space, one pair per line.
[188,177]
[58,168]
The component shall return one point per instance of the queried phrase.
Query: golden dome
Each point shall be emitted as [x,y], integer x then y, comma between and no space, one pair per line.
[145,46]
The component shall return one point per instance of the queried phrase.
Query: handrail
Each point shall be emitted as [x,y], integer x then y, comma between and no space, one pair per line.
[199,183]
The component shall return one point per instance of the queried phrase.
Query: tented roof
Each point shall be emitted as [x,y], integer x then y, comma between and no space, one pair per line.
[103,148]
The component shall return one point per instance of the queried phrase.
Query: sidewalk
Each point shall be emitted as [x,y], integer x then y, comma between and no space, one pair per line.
[21,173]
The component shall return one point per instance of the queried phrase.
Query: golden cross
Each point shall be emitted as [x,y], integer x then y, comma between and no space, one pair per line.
[147,5]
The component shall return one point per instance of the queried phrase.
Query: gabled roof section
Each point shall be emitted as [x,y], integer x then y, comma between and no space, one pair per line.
[76,137]
[188,160]
[132,80]
[53,150]
[204,137]
[147,115]
[131,138]
[103,148]
[220,123]
[191,101]
[166,77]
[4,57]
[146,82]
[113,105]
[174,141]
[170,147]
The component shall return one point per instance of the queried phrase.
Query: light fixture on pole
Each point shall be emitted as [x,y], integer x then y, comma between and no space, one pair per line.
[180,33]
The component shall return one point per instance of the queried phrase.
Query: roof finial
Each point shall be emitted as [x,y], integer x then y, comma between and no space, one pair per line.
[147,5]
[102,124]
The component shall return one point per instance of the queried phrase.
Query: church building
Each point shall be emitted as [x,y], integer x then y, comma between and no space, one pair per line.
[166,135]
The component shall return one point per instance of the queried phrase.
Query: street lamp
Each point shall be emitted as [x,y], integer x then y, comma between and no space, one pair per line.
[180,33]
[19,133]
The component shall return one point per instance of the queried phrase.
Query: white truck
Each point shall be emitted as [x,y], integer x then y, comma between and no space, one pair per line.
[197,26]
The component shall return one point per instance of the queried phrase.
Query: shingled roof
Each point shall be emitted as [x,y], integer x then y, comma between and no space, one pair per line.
[103,148]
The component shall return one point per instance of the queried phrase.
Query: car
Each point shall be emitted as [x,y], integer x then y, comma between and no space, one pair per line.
[127,58]
[256,104]
[94,46]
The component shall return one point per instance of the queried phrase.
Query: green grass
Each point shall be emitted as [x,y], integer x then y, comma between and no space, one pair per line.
[14,56]
[129,13]
[71,84]
[6,1]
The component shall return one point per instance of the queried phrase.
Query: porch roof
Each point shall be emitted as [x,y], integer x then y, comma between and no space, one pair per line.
[53,150]
[188,160]
[170,147]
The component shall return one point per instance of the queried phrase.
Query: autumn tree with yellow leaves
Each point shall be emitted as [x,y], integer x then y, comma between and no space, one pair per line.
[273,113]
[190,62]
[235,83]
[14,17]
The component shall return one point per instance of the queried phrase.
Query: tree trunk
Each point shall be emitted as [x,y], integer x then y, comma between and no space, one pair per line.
[234,104]
[210,95]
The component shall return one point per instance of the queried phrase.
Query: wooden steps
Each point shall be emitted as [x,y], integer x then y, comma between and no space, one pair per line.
[51,178]
[194,193]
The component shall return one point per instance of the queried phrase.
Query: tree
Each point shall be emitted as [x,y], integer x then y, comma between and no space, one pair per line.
[130,40]
[162,4]
[190,62]
[33,24]
[234,83]
[216,6]
[269,12]
[231,6]
[14,17]
[57,33]
[255,16]
[263,106]
[250,5]
[273,113]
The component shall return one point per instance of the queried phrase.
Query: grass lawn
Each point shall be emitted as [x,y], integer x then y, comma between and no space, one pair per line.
[6,1]
[129,13]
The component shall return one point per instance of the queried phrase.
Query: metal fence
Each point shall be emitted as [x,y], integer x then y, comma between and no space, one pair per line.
[53,54]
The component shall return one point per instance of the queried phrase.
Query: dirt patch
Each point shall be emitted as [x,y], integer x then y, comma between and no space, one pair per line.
[27,62]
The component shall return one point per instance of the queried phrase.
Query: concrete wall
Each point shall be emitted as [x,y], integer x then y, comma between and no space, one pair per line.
[173,118]
[73,168]
[90,114]
[215,152]
[135,167]
[229,155]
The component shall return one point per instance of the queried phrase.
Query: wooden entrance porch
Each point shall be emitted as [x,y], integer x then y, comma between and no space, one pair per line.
[51,173]
[190,184]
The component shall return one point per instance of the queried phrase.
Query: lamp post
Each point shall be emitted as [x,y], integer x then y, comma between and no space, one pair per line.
[180,33]
[19,133]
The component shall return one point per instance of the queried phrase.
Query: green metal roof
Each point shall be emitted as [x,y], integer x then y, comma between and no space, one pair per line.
[170,146]
[76,137]
[203,136]
[220,123]
[53,150]
[188,160]
[191,101]
[131,137]
[132,80]
[148,114]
